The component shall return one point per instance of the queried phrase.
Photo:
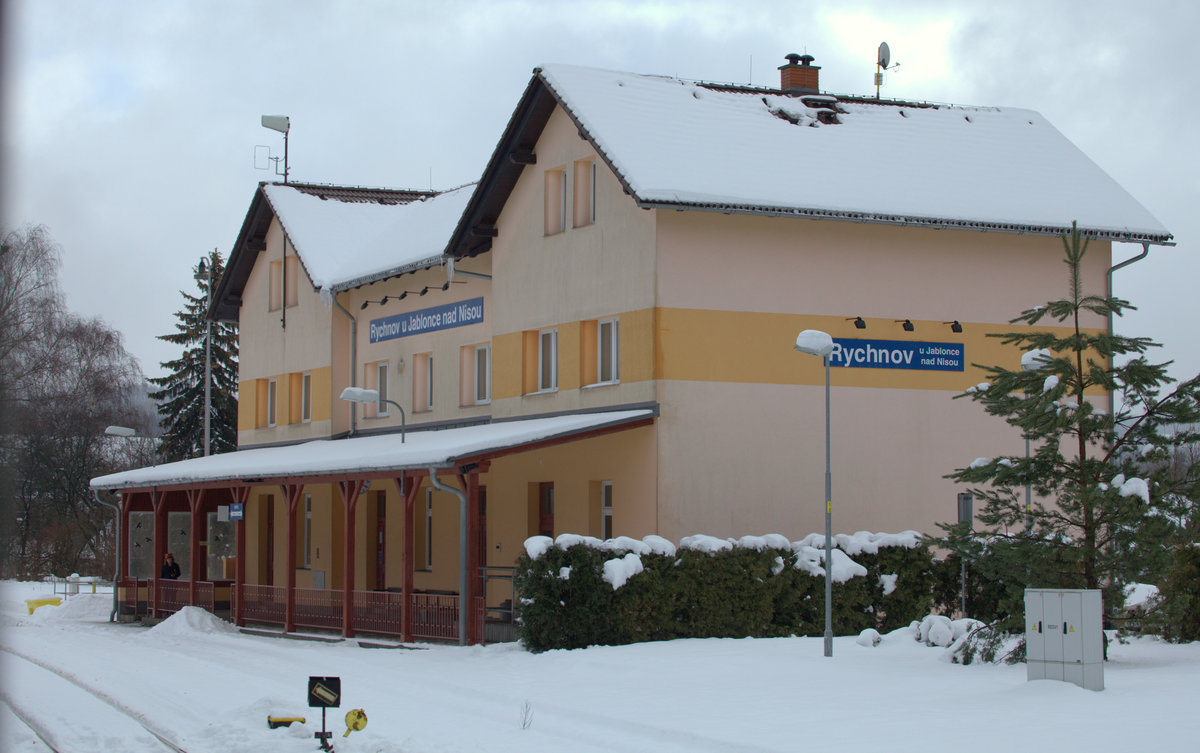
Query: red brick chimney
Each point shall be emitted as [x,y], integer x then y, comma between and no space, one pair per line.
[799,76]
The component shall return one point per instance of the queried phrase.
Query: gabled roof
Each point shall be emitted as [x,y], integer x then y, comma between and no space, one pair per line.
[345,236]
[690,145]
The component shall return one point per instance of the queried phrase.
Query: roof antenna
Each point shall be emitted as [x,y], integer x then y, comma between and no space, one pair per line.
[282,124]
[883,63]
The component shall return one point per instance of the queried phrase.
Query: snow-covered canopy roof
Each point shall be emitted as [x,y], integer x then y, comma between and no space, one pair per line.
[347,243]
[375,454]
[674,142]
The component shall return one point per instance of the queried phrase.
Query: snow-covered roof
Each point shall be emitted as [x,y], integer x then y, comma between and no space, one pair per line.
[675,142]
[346,243]
[421,449]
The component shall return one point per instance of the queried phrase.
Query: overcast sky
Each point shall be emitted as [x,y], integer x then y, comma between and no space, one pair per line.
[130,128]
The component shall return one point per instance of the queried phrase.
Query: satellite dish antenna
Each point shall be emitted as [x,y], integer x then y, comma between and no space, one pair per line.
[885,55]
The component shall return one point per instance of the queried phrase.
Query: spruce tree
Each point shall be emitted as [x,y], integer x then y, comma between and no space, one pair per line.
[181,392]
[1106,508]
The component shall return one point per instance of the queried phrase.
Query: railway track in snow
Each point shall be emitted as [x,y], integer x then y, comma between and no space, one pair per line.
[71,716]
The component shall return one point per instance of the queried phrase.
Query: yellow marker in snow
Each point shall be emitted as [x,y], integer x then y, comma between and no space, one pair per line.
[356,719]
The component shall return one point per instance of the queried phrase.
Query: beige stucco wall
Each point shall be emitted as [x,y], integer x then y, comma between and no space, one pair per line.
[596,271]
[445,345]
[277,343]
[741,435]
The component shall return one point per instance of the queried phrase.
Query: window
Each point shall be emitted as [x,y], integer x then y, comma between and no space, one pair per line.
[606,497]
[545,517]
[290,291]
[483,374]
[547,360]
[306,397]
[585,192]
[275,295]
[422,398]
[381,384]
[307,538]
[608,368]
[429,529]
[272,393]
[556,201]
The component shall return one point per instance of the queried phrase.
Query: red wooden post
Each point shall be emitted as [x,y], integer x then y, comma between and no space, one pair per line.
[349,491]
[470,483]
[159,505]
[240,494]
[408,484]
[291,494]
[195,499]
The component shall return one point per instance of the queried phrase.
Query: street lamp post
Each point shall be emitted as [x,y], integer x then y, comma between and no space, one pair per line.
[205,277]
[817,343]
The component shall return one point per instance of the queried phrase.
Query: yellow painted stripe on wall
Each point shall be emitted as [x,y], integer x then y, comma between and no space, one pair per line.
[732,346]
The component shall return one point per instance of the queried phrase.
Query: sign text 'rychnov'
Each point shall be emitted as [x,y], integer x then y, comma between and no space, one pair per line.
[427,320]
[896,354]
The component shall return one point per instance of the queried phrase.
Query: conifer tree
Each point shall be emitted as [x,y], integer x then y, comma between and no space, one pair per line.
[181,392]
[1106,508]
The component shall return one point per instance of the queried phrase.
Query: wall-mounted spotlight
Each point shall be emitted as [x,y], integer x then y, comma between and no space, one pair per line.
[380,302]
[954,326]
[906,324]
[858,322]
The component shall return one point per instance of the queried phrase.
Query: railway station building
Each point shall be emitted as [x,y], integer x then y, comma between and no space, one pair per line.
[597,338]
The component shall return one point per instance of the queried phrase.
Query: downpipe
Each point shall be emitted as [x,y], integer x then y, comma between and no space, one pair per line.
[463,607]
[112,616]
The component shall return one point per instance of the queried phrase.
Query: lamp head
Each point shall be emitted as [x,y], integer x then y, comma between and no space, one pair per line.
[279,123]
[360,395]
[814,343]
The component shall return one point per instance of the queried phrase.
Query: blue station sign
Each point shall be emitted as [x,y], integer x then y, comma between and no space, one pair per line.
[896,354]
[427,320]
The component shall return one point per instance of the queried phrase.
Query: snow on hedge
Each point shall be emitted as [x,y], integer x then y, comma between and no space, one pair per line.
[808,554]
[618,571]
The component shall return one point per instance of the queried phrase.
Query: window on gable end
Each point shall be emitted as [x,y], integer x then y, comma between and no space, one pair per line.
[556,201]
[585,192]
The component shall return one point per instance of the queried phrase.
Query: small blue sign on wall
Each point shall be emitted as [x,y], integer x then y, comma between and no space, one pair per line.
[237,511]
[897,354]
[427,320]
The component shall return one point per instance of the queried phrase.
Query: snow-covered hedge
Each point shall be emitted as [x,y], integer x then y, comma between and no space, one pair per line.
[576,591]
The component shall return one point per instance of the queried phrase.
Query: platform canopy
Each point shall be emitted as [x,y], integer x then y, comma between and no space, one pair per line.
[377,455]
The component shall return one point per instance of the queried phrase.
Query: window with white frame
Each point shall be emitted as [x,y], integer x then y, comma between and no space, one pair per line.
[608,348]
[272,394]
[606,500]
[547,360]
[306,397]
[381,384]
[483,374]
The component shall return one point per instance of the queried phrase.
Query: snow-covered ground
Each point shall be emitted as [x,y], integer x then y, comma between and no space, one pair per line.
[198,682]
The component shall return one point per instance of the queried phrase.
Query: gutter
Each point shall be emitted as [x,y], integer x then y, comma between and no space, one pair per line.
[462,552]
[353,358]
[870,218]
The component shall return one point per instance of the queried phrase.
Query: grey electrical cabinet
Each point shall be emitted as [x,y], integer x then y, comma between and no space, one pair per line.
[1064,638]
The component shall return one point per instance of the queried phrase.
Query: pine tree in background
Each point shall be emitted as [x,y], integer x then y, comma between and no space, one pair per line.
[1107,507]
[181,392]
